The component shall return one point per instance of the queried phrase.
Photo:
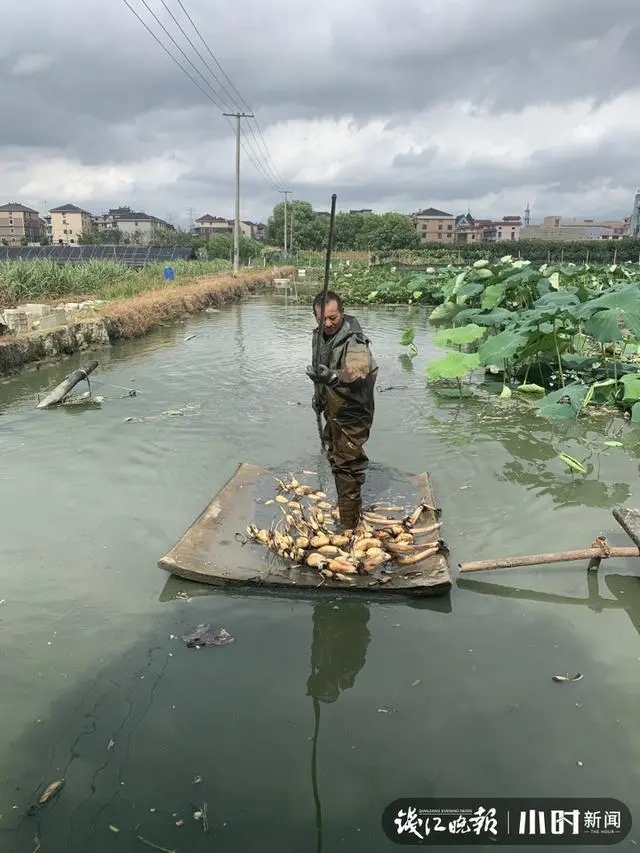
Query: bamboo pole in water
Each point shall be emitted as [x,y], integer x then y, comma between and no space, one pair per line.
[554,557]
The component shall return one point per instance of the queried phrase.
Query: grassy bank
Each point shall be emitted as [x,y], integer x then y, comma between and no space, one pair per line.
[137,315]
[46,281]
[132,315]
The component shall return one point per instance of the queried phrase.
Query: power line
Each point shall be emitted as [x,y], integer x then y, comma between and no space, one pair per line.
[244,107]
[244,104]
[215,99]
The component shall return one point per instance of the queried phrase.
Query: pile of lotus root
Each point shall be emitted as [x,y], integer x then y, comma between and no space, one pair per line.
[306,534]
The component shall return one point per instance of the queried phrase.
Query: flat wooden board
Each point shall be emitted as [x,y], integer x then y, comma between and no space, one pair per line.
[211,551]
[629,520]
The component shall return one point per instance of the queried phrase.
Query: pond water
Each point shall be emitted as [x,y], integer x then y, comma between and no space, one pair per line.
[445,698]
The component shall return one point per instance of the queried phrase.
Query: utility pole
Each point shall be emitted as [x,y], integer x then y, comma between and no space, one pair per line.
[291,233]
[236,229]
[285,193]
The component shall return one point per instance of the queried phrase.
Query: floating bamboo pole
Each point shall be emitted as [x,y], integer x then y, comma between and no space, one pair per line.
[596,554]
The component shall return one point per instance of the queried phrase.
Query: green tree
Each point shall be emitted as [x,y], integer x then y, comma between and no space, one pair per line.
[387,232]
[348,230]
[222,247]
[309,229]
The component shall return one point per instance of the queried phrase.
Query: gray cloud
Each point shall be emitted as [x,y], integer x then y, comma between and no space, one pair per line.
[88,82]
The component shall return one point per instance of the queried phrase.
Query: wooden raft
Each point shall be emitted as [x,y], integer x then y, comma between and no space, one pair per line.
[210,551]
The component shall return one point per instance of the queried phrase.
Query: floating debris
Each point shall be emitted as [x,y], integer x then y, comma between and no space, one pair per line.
[83,400]
[189,338]
[155,846]
[51,791]
[205,635]
[113,828]
[577,677]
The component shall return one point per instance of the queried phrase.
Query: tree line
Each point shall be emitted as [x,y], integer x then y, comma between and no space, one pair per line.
[390,237]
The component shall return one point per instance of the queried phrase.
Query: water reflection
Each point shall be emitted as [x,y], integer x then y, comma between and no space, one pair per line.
[534,444]
[338,649]
[624,588]
[406,362]
[338,653]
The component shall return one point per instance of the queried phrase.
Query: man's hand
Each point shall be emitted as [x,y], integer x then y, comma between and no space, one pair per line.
[323,375]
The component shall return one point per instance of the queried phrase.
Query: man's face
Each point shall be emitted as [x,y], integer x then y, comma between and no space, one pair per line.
[332,317]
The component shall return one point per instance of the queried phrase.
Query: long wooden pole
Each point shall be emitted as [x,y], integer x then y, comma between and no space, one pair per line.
[554,557]
[327,272]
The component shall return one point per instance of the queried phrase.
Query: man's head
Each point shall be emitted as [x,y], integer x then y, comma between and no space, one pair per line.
[333,312]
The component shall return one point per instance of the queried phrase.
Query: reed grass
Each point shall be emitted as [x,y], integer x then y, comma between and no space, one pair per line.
[47,281]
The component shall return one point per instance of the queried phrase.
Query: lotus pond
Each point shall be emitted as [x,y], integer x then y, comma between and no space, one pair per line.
[566,338]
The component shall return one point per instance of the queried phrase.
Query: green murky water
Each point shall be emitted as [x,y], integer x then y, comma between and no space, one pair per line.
[448,698]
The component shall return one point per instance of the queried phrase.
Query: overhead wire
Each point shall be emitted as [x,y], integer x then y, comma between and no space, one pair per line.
[238,102]
[243,103]
[213,97]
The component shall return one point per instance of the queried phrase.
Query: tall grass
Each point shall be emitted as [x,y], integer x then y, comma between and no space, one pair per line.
[31,281]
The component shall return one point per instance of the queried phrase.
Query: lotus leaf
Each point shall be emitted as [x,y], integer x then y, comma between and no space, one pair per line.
[572,463]
[460,335]
[407,337]
[493,295]
[604,327]
[631,384]
[454,365]
[496,317]
[471,288]
[444,313]
[501,347]
[563,404]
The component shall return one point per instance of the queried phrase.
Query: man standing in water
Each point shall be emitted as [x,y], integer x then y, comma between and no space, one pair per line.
[345,382]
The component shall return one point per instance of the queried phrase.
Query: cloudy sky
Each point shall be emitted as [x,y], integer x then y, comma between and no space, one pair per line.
[457,104]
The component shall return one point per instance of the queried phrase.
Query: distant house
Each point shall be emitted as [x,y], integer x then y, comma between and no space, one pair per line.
[69,223]
[209,226]
[467,229]
[434,226]
[135,226]
[557,228]
[212,226]
[505,229]
[257,230]
[18,223]
[470,230]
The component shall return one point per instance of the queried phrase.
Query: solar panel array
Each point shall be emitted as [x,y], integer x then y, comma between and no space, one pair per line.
[133,256]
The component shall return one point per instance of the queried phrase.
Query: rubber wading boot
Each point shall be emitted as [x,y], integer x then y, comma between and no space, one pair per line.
[350,511]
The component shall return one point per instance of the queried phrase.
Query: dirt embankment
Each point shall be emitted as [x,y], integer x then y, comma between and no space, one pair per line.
[132,317]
